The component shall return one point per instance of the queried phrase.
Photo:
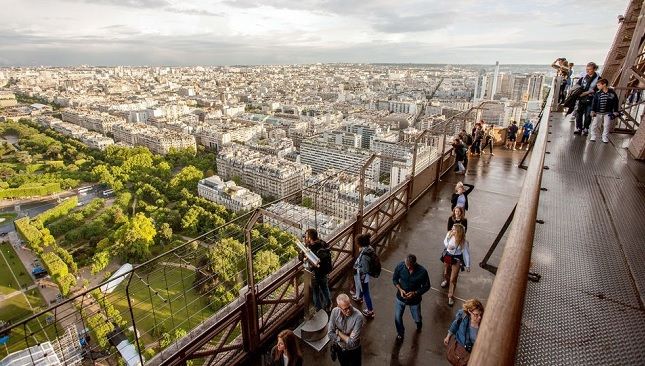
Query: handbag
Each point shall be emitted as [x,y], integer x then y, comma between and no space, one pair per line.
[456,353]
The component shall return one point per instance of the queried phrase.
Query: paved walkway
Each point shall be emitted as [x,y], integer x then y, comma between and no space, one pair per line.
[497,183]
[588,307]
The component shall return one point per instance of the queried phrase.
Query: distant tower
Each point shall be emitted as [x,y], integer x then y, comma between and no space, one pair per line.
[494,88]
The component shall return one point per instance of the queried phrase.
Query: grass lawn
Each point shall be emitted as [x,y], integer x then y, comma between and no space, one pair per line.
[9,263]
[7,216]
[188,310]
[17,308]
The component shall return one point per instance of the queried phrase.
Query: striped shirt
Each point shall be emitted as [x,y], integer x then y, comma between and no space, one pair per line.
[604,101]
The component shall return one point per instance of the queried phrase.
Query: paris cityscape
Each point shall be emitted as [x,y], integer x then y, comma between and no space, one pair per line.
[144,205]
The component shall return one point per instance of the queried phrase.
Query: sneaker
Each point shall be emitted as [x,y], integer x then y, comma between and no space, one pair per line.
[451,301]
[585,132]
[605,140]
[593,139]
[491,154]
[444,284]
[357,299]
[514,149]
[419,325]
[368,314]
[352,293]
[576,132]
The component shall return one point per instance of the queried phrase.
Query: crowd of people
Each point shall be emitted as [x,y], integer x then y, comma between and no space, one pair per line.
[592,102]
[411,280]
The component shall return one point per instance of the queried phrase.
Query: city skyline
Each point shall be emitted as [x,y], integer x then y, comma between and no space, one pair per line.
[248,32]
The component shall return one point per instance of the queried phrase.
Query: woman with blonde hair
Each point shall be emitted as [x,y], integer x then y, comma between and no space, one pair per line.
[456,255]
[460,197]
[463,332]
[286,352]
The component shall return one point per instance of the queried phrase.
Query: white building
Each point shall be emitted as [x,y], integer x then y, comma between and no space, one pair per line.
[321,155]
[297,219]
[267,175]
[228,194]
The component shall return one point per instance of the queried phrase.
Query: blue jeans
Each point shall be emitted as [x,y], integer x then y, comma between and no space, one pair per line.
[583,118]
[399,308]
[320,292]
[365,287]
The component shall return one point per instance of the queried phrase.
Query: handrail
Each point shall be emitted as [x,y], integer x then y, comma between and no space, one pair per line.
[499,332]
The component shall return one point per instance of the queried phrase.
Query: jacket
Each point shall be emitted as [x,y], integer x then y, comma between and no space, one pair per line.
[455,196]
[612,102]
[452,221]
[417,281]
[277,360]
[572,98]
[362,263]
[460,329]
[315,247]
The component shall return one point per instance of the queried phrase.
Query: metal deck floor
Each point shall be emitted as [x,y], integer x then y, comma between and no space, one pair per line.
[588,307]
[497,183]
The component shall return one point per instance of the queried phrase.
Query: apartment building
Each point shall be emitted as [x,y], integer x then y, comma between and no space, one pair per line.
[297,219]
[267,175]
[336,193]
[228,194]
[322,155]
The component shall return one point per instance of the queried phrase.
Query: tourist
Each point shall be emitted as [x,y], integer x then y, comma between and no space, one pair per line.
[460,197]
[286,352]
[361,273]
[526,134]
[455,256]
[488,141]
[319,282]
[411,281]
[462,333]
[460,155]
[588,87]
[511,135]
[603,110]
[344,332]
[458,217]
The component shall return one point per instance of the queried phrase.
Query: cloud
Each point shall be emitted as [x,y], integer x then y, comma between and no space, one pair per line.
[200,12]
[149,4]
[415,23]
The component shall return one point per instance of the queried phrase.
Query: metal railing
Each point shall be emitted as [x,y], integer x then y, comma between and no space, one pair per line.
[499,332]
[220,296]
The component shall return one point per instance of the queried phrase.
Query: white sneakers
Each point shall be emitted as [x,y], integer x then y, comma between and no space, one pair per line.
[605,140]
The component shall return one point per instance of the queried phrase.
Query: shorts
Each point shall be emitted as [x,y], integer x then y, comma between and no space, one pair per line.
[525,138]
[511,138]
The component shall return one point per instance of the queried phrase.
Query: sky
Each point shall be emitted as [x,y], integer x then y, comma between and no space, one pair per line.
[248,32]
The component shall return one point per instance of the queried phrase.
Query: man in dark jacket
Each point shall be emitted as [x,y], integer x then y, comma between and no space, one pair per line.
[588,86]
[319,283]
[604,109]
[411,281]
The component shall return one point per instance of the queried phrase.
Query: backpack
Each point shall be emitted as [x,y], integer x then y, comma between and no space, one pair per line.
[325,267]
[373,263]
[469,139]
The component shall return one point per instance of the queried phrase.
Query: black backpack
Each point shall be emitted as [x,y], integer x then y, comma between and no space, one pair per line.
[325,266]
[469,139]
[374,263]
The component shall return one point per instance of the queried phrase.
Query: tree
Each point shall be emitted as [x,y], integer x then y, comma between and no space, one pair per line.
[134,238]
[264,263]
[23,157]
[165,233]
[100,260]
[187,178]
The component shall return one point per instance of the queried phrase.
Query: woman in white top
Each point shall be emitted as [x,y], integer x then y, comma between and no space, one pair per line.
[455,255]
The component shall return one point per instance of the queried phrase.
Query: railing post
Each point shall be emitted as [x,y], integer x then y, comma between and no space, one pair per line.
[250,321]
[134,325]
[443,151]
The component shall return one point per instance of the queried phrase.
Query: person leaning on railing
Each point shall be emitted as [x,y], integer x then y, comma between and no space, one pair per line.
[462,333]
